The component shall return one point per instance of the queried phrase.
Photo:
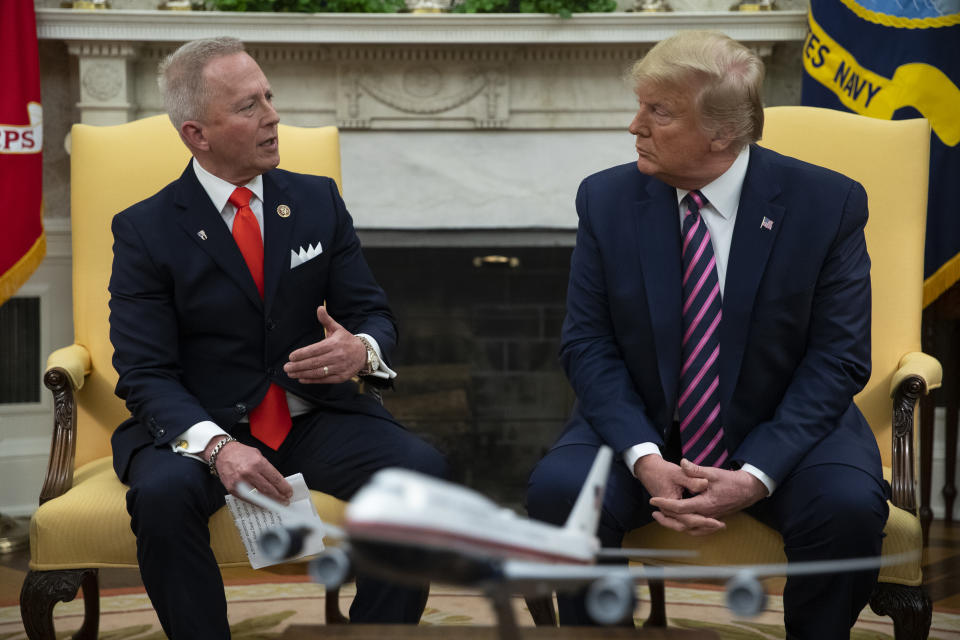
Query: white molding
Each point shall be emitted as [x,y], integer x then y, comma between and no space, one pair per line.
[59,243]
[332,28]
[23,463]
[14,448]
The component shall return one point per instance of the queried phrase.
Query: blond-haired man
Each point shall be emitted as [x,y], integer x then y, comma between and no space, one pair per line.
[717,329]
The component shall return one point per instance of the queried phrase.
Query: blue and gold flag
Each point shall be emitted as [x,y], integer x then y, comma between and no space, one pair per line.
[897,59]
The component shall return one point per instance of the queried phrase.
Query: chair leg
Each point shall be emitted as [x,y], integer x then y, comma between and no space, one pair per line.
[542,610]
[658,604]
[910,608]
[332,607]
[43,589]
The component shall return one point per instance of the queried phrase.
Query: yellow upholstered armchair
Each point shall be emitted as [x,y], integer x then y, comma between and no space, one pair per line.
[82,522]
[891,160]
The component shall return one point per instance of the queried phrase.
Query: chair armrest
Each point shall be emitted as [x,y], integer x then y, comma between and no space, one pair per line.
[918,374]
[66,371]
[74,360]
[918,364]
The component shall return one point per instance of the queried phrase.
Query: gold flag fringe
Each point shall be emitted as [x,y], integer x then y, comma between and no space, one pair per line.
[23,268]
[941,280]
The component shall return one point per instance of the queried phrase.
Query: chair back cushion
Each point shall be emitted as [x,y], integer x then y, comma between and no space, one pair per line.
[112,168]
[890,158]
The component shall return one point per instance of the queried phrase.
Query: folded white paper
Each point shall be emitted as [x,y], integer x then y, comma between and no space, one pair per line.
[251,521]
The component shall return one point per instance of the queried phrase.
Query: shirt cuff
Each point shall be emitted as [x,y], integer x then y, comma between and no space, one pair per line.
[194,440]
[767,481]
[383,371]
[637,451]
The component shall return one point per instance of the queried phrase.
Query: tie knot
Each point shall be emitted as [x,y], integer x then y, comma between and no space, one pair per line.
[240,197]
[695,201]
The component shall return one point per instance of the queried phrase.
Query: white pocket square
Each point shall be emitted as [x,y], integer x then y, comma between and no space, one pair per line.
[304,255]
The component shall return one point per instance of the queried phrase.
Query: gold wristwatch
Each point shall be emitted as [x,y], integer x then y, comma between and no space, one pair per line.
[373,360]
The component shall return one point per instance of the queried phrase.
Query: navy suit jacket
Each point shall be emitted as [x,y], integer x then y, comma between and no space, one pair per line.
[192,338]
[795,334]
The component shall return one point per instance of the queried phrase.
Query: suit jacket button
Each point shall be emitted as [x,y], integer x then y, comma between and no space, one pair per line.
[271,325]
[272,372]
[161,432]
[241,408]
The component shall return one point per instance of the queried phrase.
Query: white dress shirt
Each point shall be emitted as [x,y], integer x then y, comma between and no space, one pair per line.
[194,440]
[720,216]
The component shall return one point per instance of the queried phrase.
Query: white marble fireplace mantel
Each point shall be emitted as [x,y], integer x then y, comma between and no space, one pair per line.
[449,121]
[449,28]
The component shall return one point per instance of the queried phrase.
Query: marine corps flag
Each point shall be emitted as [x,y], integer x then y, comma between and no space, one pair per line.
[22,242]
[894,59]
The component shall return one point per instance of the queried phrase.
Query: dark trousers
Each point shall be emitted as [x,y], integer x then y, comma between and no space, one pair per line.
[823,512]
[171,499]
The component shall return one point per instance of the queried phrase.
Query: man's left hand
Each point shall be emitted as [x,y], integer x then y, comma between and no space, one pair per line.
[336,358]
[727,492]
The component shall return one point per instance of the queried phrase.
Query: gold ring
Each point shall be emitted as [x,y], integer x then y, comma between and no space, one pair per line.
[326,370]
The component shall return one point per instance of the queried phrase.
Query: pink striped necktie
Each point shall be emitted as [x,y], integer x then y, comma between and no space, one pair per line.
[701,433]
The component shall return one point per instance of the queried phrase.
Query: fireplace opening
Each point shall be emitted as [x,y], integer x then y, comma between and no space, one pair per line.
[478,372]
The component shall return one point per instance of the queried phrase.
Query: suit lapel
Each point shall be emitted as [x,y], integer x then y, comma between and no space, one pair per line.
[277,233]
[758,223]
[203,223]
[658,217]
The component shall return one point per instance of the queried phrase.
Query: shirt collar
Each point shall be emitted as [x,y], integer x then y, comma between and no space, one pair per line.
[724,192]
[219,189]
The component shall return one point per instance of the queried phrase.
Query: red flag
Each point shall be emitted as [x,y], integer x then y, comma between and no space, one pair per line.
[22,241]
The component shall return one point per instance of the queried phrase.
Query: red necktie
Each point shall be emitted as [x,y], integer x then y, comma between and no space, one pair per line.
[270,421]
[701,433]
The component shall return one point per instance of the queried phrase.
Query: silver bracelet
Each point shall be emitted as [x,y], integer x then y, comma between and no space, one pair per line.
[212,463]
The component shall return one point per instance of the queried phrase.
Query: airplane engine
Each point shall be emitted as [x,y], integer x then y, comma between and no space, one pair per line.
[331,568]
[280,543]
[745,595]
[611,599]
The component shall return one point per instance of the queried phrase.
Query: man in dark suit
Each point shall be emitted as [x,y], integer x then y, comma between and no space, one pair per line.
[717,329]
[241,308]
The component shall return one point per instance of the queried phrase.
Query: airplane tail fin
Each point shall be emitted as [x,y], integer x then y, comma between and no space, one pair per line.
[585,515]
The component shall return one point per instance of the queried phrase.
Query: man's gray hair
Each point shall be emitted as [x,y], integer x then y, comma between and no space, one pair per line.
[726,76]
[180,76]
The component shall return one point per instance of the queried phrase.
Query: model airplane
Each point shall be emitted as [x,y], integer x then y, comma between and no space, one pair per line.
[410,528]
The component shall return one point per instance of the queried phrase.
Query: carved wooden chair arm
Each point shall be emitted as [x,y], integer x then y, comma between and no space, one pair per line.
[918,374]
[65,374]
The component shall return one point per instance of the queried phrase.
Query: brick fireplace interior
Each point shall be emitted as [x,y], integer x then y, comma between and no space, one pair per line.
[479,375]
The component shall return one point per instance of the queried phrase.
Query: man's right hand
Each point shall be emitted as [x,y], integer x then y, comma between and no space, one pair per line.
[238,462]
[664,479]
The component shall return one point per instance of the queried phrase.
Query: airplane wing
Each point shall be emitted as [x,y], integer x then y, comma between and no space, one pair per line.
[523,571]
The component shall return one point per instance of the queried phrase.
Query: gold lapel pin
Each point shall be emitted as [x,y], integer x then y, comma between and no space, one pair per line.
[202,234]
[283,211]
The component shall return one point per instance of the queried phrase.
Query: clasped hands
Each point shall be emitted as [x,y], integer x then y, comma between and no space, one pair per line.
[717,493]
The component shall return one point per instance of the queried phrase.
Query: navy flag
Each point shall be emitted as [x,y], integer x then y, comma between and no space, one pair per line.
[897,59]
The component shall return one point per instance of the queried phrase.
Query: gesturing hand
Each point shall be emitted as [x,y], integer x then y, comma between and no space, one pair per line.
[336,358]
[726,492]
[665,480]
[237,461]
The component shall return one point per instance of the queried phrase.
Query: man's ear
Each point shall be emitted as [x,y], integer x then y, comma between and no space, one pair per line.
[193,134]
[721,142]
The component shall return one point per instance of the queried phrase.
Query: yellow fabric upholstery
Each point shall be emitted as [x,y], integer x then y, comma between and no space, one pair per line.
[891,160]
[111,169]
[94,507]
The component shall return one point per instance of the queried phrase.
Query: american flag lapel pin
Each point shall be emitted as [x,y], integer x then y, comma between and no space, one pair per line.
[767,224]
